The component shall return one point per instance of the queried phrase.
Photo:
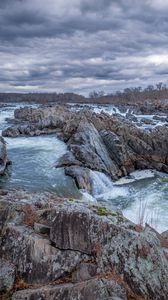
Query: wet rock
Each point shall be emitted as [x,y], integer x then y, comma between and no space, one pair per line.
[11,132]
[3,156]
[88,147]
[147,121]
[131,117]
[160,118]
[118,151]
[81,176]
[68,159]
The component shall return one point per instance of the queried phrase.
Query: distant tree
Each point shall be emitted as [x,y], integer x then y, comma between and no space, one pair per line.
[149,88]
[127,90]
[95,94]
[159,86]
[138,89]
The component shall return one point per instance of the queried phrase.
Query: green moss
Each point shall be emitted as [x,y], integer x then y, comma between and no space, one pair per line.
[71,199]
[101,211]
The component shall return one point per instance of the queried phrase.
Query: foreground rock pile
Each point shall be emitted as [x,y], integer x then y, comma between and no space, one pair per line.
[109,144]
[55,248]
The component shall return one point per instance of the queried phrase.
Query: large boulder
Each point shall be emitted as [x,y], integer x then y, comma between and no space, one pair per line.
[88,251]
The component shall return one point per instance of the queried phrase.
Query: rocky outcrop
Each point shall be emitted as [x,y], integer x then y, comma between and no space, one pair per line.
[3,156]
[109,144]
[87,146]
[54,248]
[31,121]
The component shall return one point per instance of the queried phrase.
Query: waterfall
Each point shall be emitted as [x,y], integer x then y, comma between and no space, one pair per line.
[103,188]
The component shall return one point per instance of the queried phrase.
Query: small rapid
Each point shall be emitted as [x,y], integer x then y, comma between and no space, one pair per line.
[145,121]
[103,189]
[142,196]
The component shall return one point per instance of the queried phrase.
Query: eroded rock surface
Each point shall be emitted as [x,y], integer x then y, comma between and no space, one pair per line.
[87,252]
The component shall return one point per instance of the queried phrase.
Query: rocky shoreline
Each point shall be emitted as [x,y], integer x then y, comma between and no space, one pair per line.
[55,248]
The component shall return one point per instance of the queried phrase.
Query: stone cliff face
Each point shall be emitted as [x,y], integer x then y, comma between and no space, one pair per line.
[53,248]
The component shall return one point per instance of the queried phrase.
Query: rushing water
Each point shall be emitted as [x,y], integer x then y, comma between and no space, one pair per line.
[143,196]
[112,109]
[33,163]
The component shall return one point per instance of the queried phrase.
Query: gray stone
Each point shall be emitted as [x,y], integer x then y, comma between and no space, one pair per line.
[36,260]
[7,276]
[81,176]
[84,271]
[89,290]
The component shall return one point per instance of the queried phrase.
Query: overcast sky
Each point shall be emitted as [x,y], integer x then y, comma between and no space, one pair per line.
[82,45]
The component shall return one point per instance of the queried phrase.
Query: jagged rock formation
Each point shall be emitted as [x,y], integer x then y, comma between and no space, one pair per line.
[100,142]
[3,156]
[54,248]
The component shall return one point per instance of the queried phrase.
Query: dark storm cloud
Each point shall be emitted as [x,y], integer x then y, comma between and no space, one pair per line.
[80,45]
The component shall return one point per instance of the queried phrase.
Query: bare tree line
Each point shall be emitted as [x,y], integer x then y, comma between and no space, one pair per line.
[135,94]
[130,96]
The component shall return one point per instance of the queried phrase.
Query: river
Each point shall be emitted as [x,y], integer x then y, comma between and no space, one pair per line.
[143,196]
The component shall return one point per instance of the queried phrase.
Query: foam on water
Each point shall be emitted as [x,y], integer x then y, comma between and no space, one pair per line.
[103,188]
[143,199]
[86,197]
[150,205]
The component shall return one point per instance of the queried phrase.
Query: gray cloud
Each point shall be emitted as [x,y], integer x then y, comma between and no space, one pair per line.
[81,45]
